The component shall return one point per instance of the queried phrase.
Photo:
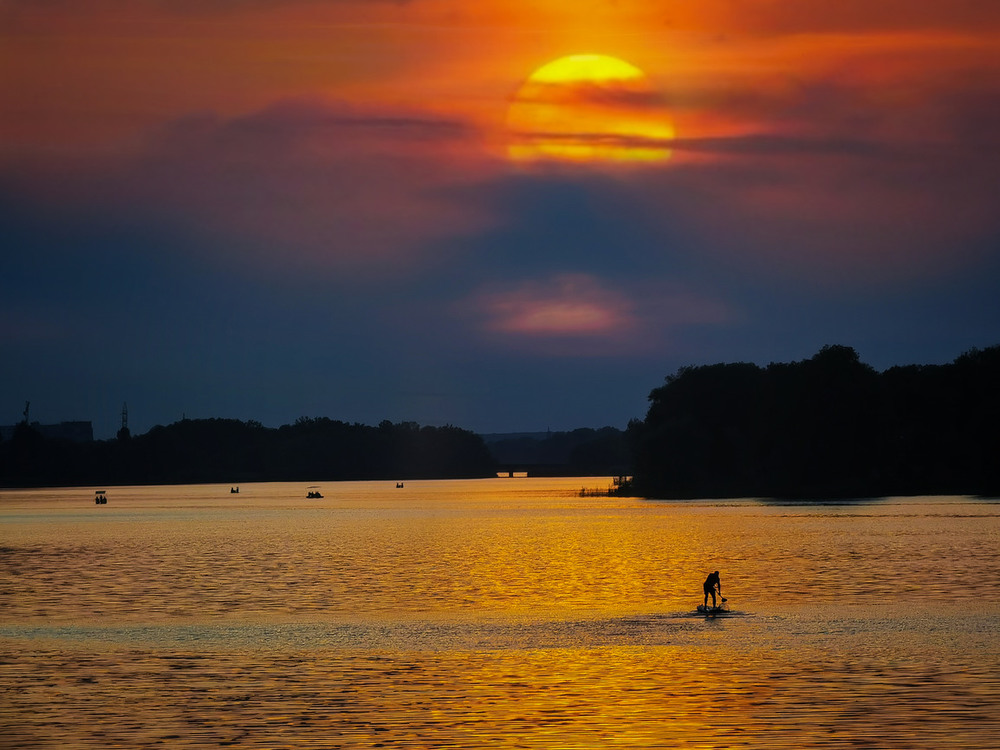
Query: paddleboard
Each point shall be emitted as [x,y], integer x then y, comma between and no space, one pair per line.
[706,610]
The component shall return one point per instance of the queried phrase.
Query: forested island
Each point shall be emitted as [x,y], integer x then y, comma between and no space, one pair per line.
[829,426]
[824,427]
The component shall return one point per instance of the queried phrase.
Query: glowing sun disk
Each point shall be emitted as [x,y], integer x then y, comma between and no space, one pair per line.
[588,108]
[592,68]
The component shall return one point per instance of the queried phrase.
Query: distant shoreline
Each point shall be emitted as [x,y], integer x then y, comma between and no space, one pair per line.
[829,427]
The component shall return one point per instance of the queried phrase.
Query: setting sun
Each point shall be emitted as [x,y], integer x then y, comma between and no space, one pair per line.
[588,108]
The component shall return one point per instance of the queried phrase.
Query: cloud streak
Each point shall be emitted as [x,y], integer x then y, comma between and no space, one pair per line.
[608,94]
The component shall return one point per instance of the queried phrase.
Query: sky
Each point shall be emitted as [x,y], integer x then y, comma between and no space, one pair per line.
[388,209]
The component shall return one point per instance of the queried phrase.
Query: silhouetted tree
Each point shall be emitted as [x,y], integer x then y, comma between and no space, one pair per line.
[826,426]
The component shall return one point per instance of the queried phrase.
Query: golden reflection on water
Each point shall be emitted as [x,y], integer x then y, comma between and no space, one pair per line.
[506,613]
[561,697]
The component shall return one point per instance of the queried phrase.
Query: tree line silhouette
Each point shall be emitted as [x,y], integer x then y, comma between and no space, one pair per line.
[195,451]
[829,426]
[232,451]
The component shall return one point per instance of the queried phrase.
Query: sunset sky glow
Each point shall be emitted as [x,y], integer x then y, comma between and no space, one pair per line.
[375,210]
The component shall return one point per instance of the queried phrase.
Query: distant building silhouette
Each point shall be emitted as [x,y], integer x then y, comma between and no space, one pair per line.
[77,432]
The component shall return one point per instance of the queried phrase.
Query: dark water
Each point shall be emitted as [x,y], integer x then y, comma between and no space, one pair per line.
[506,613]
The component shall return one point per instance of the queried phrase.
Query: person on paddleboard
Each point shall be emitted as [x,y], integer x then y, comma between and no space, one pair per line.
[711,584]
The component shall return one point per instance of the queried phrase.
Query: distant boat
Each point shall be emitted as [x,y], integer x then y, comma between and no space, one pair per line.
[234,490]
[314,494]
[100,498]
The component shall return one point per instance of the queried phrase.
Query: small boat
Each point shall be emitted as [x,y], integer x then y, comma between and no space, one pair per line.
[100,498]
[314,494]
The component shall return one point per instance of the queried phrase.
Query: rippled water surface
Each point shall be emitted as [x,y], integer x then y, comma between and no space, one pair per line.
[508,612]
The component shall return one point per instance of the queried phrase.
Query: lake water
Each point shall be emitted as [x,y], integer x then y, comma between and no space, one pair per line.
[494,613]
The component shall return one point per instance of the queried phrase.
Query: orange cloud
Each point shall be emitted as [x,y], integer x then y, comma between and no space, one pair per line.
[575,314]
[569,305]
